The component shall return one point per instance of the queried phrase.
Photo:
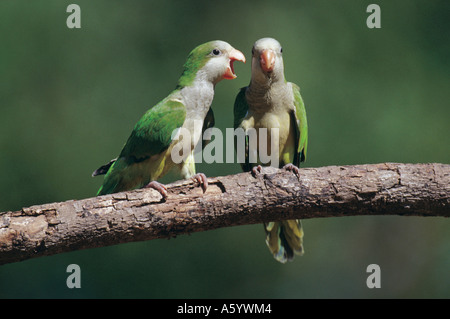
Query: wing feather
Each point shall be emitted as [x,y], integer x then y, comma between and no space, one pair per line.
[240,112]
[299,119]
[152,134]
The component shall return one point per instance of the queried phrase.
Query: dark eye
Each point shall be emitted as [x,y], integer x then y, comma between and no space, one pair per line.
[281,50]
[215,52]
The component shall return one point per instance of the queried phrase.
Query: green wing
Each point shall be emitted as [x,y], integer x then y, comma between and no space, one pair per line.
[299,120]
[240,112]
[240,107]
[152,134]
[207,123]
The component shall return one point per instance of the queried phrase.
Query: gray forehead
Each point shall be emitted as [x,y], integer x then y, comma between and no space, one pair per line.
[221,45]
[267,43]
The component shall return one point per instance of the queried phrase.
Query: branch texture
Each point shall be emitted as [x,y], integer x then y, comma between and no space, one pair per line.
[377,189]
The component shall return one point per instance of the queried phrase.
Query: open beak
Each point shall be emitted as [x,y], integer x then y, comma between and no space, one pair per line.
[267,60]
[235,55]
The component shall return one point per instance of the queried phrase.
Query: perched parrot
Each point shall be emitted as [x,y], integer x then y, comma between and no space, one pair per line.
[146,156]
[269,101]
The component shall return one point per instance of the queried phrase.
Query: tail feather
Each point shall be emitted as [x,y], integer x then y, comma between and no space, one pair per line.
[294,235]
[114,181]
[102,170]
[284,239]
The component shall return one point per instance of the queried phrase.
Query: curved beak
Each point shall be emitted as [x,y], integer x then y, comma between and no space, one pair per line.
[267,60]
[234,55]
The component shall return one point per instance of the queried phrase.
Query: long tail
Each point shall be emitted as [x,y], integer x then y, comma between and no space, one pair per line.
[284,239]
[102,170]
[114,179]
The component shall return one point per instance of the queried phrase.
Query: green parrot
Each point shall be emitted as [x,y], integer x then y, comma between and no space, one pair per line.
[269,101]
[147,154]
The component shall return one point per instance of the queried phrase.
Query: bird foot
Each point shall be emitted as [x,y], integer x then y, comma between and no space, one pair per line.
[256,170]
[201,180]
[162,189]
[291,167]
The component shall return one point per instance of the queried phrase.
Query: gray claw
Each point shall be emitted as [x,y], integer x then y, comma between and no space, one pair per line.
[291,167]
[162,189]
[202,180]
[256,170]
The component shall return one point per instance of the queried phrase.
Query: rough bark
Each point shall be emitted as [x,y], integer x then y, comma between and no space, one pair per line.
[378,189]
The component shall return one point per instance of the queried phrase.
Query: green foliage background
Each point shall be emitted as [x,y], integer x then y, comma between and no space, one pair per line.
[69,99]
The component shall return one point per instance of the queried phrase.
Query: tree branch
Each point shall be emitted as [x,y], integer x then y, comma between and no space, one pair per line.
[378,189]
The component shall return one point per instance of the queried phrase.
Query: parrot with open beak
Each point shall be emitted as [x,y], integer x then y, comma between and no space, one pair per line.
[270,102]
[146,156]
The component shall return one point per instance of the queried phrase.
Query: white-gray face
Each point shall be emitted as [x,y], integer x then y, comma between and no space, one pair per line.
[267,59]
[220,65]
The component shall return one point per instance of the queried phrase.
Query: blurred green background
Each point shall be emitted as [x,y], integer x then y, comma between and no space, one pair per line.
[69,99]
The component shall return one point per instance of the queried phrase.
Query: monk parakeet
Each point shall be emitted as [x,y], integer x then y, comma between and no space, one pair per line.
[269,101]
[146,156]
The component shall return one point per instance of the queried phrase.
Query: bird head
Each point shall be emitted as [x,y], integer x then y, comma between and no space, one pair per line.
[211,61]
[267,59]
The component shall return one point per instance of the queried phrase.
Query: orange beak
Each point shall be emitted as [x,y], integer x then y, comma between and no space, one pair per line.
[235,55]
[267,60]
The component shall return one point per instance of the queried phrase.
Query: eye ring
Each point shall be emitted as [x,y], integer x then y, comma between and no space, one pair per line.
[216,52]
